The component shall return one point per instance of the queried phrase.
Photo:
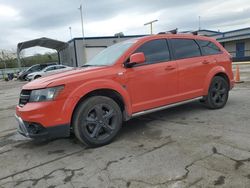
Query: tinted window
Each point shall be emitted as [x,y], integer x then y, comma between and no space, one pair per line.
[35,68]
[208,48]
[43,66]
[185,48]
[155,51]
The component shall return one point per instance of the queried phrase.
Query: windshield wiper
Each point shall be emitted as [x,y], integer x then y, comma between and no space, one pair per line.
[87,65]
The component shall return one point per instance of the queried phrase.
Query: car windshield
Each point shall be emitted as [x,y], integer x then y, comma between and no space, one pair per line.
[34,68]
[110,54]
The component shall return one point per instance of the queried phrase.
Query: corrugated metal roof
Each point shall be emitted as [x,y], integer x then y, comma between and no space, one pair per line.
[43,42]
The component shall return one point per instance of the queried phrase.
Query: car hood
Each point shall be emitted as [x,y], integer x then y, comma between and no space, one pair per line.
[53,79]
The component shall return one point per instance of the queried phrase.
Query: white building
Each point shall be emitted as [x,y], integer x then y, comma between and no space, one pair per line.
[73,55]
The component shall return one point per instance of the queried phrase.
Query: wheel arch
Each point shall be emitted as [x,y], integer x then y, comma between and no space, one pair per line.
[37,76]
[106,92]
[108,88]
[223,75]
[217,71]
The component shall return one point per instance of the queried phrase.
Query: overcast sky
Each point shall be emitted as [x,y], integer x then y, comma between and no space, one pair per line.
[22,20]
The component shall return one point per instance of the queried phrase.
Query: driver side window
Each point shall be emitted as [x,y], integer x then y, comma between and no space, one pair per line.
[50,69]
[155,51]
[35,68]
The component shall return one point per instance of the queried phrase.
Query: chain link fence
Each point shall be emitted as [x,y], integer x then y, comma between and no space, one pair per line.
[4,72]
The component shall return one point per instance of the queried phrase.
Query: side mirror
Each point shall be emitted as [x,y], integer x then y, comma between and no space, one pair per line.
[136,58]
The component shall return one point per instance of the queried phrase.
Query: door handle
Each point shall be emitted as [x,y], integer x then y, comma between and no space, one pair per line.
[169,67]
[205,62]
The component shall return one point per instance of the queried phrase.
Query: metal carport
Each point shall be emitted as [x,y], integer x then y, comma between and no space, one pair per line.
[42,42]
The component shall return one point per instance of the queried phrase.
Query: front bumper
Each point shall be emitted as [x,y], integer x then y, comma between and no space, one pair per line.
[35,130]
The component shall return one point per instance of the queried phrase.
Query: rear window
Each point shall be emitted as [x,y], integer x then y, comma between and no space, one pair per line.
[50,68]
[185,48]
[35,68]
[60,67]
[208,48]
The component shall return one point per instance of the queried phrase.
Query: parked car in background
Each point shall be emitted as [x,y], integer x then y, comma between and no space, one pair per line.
[52,69]
[126,80]
[38,67]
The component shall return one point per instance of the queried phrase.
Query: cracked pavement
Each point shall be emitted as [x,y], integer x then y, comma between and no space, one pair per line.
[185,146]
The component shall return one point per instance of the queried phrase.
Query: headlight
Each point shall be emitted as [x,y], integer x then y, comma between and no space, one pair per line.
[46,94]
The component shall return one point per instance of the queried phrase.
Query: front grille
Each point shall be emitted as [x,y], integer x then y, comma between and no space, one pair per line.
[24,97]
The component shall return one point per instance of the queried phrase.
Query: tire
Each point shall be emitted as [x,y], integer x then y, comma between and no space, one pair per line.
[217,94]
[37,76]
[97,121]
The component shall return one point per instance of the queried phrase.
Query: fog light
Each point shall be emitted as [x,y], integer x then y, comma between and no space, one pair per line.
[34,128]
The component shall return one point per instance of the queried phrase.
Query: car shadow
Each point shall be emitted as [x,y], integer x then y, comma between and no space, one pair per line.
[180,112]
[135,125]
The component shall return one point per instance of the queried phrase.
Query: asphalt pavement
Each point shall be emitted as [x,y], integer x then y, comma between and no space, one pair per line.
[185,146]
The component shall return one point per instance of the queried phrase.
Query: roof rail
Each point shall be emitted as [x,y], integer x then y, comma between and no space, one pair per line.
[161,33]
[195,32]
[174,31]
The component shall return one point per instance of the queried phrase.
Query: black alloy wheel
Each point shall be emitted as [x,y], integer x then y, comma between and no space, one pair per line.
[218,93]
[97,121]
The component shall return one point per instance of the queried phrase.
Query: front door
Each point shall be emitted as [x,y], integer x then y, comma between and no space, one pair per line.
[154,83]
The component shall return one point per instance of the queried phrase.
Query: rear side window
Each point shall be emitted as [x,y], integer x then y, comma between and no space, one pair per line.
[60,67]
[50,68]
[185,48]
[208,48]
[155,51]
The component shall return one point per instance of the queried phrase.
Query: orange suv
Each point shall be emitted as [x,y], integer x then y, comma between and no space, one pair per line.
[125,80]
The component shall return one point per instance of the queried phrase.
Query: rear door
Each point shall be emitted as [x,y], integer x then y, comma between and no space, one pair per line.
[193,68]
[154,83]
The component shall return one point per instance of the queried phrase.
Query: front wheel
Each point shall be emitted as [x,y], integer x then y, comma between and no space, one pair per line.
[217,94]
[97,120]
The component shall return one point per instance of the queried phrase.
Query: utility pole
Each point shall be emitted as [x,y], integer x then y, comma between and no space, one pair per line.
[151,25]
[70,32]
[4,71]
[81,14]
[199,23]
[83,39]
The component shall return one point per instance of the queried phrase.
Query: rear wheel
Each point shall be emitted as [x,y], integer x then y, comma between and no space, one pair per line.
[97,120]
[218,93]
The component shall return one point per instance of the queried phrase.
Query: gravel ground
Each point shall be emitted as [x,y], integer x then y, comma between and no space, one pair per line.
[185,146]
